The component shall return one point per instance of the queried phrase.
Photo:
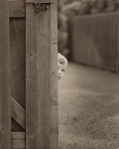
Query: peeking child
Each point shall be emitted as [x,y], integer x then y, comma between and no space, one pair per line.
[62,64]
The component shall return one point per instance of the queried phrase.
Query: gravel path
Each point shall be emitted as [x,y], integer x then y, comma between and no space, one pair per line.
[88,109]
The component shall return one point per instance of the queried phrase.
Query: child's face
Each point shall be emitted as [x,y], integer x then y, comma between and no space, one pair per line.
[61,70]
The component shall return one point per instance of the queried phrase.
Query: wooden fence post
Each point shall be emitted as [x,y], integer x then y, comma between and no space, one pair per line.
[53,78]
[117,44]
[5,113]
[41,78]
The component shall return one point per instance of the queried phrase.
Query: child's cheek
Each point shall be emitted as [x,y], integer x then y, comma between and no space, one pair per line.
[62,74]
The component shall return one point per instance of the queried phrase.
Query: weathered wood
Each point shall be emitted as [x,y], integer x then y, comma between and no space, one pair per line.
[53,78]
[17,112]
[99,33]
[99,42]
[95,36]
[38,57]
[54,141]
[5,114]
[114,52]
[18,136]
[117,44]
[91,42]
[111,41]
[18,144]
[76,24]
[87,41]
[83,41]
[17,9]
[94,41]
[102,64]
[17,63]
[88,49]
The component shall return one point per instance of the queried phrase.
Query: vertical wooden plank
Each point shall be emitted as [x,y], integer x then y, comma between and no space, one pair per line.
[107,37]
[40,96]
[53,78]
[111,45]
[96,46]
[97,36]
[91,45]
[78,41]
[117,43]
[84,39]
[105,28]
[5,113]
[93,40]
[114,43]
[86,42]
[103,40]
[89,40]
[101,33]
[88,36]
[70,39]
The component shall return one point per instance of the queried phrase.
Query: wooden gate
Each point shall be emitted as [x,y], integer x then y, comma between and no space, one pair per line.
[28,75]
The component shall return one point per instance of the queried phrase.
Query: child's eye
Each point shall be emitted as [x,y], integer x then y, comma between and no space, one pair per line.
[63,70]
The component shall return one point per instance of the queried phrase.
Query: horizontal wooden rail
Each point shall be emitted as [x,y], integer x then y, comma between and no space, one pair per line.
[18,140]
[18,144]
[18,135]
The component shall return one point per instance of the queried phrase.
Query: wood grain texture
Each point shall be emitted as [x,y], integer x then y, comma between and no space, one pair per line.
[38,74]
[98,34]
[17,63]
[5,114]
[53,78]
[18,113]
[17,9]
[18,135]
[114,52]
[18,144]
[117,54]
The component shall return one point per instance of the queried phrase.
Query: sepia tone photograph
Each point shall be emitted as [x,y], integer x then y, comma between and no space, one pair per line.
[59,74]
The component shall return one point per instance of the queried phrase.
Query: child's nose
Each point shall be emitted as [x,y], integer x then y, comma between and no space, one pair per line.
[59,71]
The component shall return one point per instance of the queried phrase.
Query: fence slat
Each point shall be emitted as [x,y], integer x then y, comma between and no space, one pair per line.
[38,75]
[53,144]
[5,114]
[100,35]
[114,52]
[17,9]
[117,45]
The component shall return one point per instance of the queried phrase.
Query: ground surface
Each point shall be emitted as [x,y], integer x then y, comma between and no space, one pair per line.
[88,109]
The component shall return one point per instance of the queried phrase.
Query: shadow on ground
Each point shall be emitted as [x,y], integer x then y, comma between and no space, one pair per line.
[88,109]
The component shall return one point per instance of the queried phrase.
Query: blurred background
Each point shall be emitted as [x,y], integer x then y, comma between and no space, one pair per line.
[88,35]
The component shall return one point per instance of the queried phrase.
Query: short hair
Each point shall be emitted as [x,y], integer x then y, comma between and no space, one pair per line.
[62,60]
